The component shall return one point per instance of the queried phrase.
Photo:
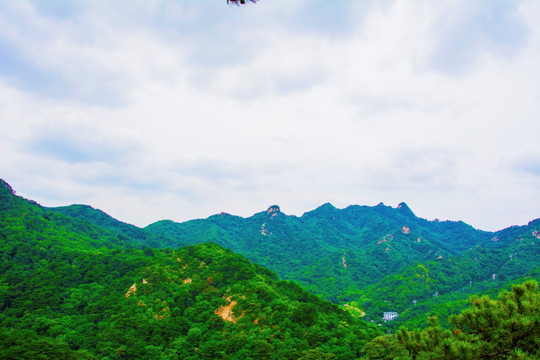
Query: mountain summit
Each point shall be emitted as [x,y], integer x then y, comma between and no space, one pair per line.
[6,186]
[111,282]
[273,209]
[310,249]
[405,209]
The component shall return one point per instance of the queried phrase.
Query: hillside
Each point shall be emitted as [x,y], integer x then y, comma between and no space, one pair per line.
[376,259]
[77,284]
[502,327]
[333,252]
[69,290]
[359,255]
[88,214]
[200,302]
[27,223]
[441,287]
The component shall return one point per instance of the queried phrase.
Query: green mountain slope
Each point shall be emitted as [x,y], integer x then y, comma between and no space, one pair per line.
[441,287]
[70,289]
[29,223]
[333,252]
[88,214]
[79,284]
[201,302]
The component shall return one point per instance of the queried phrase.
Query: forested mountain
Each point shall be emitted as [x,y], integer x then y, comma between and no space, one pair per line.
[377,258]
[123,230]
[78,284]
[26,223]
[442,286]
[360,255]
[330,251]
[72,290]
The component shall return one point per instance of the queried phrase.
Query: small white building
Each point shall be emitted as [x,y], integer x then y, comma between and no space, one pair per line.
[389,316]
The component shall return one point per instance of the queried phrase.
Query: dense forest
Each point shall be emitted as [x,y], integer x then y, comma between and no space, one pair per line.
[376,258]
[78,284]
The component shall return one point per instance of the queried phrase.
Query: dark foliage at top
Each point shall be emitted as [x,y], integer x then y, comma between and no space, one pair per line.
[240,2]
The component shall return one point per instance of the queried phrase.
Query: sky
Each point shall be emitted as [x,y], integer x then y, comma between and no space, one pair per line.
[177,109]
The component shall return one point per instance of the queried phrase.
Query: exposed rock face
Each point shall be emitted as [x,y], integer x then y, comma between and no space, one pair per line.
[132,290]
[272,209]
[388,237]
[226,311]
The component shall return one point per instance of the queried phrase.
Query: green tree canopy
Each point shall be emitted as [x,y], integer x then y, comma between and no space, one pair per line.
[506,328]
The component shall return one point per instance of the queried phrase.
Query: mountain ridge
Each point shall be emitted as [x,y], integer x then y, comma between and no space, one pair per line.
[325,249]
[327,231]
[77,284]
[267,236]
[69,289]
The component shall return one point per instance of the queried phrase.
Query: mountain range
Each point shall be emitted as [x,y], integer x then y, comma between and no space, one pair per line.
[379,258]
[77,283]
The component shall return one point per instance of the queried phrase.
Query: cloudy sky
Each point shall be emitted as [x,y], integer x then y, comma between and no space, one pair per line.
[180,109]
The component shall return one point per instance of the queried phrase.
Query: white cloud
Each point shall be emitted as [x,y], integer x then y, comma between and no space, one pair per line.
[181,110]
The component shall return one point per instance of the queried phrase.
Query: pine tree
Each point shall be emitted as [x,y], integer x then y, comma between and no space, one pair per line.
[506,328]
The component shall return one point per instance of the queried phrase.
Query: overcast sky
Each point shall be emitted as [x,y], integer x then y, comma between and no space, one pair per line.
[182,109]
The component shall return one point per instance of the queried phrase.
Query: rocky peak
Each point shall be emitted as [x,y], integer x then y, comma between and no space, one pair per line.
[273,209]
